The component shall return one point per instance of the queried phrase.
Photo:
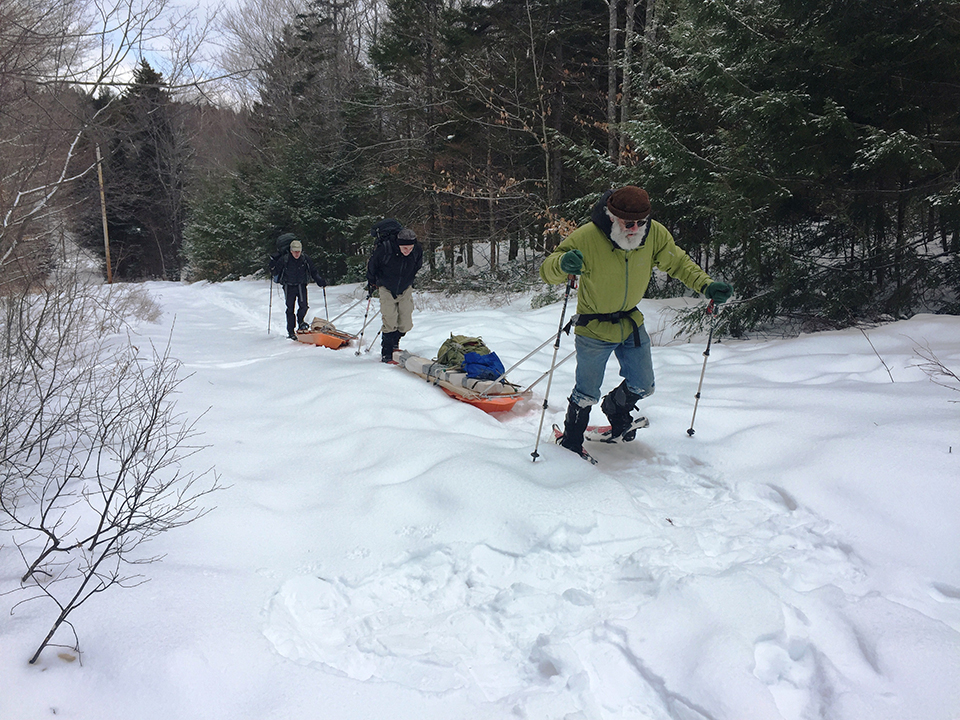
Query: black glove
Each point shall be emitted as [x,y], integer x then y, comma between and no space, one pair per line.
[322,281]
[371,287]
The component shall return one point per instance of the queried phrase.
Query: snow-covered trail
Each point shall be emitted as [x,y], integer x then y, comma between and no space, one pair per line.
[555,588]
[381,550]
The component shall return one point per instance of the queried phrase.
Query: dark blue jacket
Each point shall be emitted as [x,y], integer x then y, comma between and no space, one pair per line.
[295,271]
[390,268]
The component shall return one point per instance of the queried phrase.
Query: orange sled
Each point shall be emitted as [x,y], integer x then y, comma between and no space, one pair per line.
[487,403]
[483,394]
[325,338]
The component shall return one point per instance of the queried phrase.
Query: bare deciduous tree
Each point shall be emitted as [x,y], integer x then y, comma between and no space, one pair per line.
[93,456]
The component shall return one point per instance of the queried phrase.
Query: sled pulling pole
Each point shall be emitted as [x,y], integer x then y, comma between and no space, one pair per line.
[711,311]
[349,309]
[571,283]
[518,364]
[326,310]
[543,375]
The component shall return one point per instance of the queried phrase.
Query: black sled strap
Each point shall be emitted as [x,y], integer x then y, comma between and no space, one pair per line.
[578,320]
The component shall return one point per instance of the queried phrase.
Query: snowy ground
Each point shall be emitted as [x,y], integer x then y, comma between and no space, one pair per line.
[384,552]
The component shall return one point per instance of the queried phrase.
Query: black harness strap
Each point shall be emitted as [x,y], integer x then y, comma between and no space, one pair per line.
[616,317]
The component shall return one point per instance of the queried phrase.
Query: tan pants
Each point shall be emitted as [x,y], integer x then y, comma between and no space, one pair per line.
[396,313]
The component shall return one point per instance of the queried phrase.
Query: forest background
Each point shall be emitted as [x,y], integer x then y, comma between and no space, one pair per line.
[806,152]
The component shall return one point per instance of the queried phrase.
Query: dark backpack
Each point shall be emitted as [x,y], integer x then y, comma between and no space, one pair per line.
[386,229]
[279,260]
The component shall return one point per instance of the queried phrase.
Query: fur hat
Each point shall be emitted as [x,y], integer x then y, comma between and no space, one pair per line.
[406,237]
[629,203]
[295,245]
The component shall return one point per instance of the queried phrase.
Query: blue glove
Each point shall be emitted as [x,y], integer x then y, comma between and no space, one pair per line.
[572,262]
[719,292]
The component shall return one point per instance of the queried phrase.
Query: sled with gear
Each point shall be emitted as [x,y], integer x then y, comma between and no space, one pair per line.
[468,371]
[322,332]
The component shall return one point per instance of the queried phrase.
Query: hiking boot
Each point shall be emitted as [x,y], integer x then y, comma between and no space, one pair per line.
[303,327]
[558,434]
[574,424]
[292,335]
[388,343]
[617,406]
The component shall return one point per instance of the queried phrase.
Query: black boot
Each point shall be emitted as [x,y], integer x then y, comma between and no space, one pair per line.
[573,426]
[388,343]
[617,406]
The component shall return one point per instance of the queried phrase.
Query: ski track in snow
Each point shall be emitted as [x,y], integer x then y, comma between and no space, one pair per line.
[526,627]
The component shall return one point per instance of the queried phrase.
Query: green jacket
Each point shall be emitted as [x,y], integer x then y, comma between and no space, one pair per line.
[614,279]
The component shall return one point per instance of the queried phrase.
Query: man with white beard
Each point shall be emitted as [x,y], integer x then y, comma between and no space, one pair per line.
[614,255]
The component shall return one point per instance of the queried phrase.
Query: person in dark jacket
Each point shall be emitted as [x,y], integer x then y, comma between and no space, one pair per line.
[295,270]
[391,269]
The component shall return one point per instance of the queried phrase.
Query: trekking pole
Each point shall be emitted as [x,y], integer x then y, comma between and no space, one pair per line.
[270,307]
[360,341]
[374,341]
[571,283]
[375,316]
[706,354]
[326,310]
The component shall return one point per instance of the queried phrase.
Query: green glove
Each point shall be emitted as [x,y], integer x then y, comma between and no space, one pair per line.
[719,292]
[572,262]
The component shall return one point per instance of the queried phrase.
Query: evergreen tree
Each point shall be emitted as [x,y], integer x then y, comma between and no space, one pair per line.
[144,164]
[812,146]
[306,174]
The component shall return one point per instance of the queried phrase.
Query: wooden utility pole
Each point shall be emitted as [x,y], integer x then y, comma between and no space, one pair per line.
[103,213]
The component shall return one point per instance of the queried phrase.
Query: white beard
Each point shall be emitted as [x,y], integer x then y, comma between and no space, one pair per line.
[625,240]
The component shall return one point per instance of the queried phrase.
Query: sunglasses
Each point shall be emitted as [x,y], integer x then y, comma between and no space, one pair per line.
[628,224]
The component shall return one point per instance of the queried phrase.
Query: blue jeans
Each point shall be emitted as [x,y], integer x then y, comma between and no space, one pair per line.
[636,367]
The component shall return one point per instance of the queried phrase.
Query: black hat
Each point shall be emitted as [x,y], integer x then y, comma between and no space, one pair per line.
[406,237]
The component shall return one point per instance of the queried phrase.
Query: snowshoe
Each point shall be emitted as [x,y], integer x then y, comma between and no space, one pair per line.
[604,433]
[558,436]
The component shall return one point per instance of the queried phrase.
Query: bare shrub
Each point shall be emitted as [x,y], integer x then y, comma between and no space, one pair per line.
[936,369]
[92,449]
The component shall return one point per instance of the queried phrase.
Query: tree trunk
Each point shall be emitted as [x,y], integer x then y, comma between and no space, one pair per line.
[626,84]
[612,30]
[649,38]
